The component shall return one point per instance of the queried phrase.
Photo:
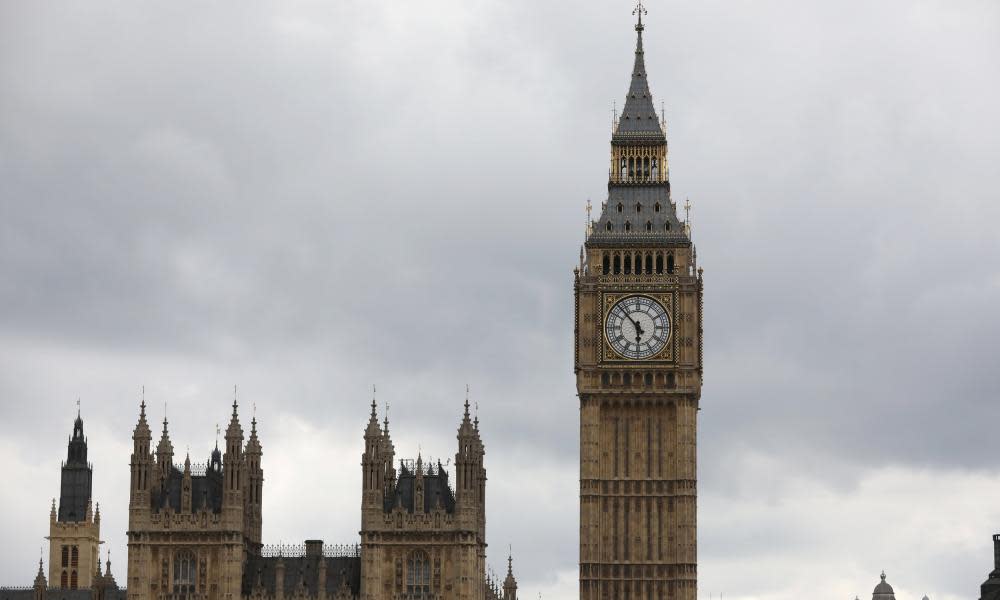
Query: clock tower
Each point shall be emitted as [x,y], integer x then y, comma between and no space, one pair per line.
[638,364]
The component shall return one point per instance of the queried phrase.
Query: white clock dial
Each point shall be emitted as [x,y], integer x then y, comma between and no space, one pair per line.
[637,327]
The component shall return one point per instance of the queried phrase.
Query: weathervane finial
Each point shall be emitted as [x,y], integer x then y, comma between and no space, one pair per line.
[639,10]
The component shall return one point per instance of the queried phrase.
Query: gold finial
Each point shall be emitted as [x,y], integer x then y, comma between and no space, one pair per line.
[639,10]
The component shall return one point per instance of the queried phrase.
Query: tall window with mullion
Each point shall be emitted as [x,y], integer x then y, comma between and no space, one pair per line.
[418,576]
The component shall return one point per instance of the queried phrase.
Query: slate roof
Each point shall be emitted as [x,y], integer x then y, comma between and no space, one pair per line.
[302,570]
[206,490]
[77,478]
[638,124]
[436,489]
[638,208]
[638,119]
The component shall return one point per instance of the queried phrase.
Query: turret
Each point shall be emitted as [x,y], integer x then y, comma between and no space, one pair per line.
[40,582]
[255,487]
[186,485]
[418,486]
[509,583]
[470,475]
[164,454]
[77,477]
[74,527]
[232,460]
[141,438]
[372,464]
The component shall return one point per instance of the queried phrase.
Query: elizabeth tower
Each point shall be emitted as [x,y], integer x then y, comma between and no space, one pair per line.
[638,363]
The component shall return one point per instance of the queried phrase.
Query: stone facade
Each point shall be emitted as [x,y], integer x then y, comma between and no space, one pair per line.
[192,530]
[195,531]
[420,539]
[75,527]
[638,364]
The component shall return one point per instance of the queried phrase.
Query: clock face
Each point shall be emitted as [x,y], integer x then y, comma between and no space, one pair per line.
[637,327]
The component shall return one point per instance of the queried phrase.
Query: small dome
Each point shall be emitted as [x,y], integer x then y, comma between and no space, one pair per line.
[883,591]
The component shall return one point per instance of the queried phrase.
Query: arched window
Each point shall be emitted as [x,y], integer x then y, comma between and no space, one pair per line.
[649,264]
[670,263]
[185,572]
[657,207]
[645,167]
[608,227]
[63,580]
[74,561]
[605,380]
[618,264]
[649,379]
[628,265]
[621,169]
[649,226]
[656,170]
[72,580]
[621,207]
[659,264]
[631,167]
[418,576]
[667,226]
[671,381]
[628,226]
[607,264]
[638,207]
[65,556]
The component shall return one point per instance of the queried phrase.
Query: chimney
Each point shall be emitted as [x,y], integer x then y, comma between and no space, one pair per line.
[314,548]
[996,552]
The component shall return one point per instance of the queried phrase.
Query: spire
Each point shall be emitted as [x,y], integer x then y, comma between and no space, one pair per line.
[373,430]
[466,402]
[76,477]
[164,448]
[142,427]
[234,432]
[40,582]
[638,118]
[253,443]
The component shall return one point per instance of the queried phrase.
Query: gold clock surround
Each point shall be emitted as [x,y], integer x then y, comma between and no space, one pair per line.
[609,355]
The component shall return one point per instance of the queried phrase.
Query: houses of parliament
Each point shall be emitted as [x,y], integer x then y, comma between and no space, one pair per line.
[195,530]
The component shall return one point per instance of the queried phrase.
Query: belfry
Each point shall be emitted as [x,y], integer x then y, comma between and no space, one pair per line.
[638,364]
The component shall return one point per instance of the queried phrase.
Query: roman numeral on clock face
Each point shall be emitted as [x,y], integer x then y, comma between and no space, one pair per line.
[637,327]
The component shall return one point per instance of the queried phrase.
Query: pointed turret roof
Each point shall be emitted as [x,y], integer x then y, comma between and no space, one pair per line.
[142,427]
[373,430]
[253,443]
[165,447]
[40,581]
[638,118]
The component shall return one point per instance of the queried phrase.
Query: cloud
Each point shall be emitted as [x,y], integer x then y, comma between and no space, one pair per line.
[308,198]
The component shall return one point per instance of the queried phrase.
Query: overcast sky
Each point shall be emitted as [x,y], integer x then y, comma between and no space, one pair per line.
[305,198]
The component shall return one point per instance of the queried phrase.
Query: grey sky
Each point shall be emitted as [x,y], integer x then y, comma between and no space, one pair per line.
[305,198]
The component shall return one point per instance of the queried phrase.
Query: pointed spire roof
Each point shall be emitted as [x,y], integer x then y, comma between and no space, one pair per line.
[142,427]
[40,581]
[373,430]
[638,118]
[509,583]
[165,447]
[253,443]
[234,431]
